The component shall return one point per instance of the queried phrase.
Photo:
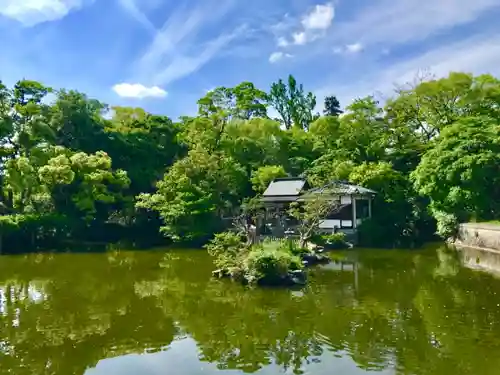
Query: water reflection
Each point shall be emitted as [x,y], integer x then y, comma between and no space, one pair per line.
[391,312]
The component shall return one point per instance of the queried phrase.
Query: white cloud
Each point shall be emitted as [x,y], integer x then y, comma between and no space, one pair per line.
[32,12]
[300,38]
[313,24]
[277,56]
[476,55]
[138,91]
[349,48]
[354,48]
[282,42]
[320,18]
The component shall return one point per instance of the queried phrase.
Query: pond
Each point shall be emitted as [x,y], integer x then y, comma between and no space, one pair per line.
[159,312]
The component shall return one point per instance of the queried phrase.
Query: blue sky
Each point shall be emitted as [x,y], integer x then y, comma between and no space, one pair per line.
[163,55]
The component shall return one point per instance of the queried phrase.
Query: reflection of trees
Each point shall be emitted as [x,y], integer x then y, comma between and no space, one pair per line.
[418,312]
[64,313]
[394,312]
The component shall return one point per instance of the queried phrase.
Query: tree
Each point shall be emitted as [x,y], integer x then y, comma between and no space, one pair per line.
[77,122]
[263,176]
[195,194]
[363,131]
[83,184]
[399,216]
[243,101]
[312,212]
[460,173]
[332,106]
[253,143]
[143,144]
[428,106]
[294,106]
[326,132]
[203,132]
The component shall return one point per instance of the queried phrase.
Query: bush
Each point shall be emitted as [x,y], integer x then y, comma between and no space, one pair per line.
[330,241]
[335,240]
[270,265]
[292,247]
[447,224]
[227,249]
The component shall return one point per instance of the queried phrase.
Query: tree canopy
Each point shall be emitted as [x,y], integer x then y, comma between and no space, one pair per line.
[431,151]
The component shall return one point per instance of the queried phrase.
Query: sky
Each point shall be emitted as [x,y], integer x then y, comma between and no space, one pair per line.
[163,55]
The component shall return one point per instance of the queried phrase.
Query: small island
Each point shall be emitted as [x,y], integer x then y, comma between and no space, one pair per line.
[289,228]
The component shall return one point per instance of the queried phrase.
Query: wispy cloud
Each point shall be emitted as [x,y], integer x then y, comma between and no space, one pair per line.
[391,23]
[32,12]
[180,48]
[130,6]
[182,65]
[282,42]
[354,48]
[476,55]
[138,91]
[349,48]
[277,56]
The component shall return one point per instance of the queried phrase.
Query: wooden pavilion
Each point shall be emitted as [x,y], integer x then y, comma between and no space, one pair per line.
[354,205]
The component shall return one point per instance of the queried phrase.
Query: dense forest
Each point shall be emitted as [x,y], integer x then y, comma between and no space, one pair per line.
[74,170]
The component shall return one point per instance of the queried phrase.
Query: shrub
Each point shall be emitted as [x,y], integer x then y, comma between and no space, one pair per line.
[447,224]
[292,247]
[318,239]
[335,240]
[226,248]
[269,264]
[330,241]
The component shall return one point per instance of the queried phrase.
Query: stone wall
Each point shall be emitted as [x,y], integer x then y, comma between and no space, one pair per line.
[484,236]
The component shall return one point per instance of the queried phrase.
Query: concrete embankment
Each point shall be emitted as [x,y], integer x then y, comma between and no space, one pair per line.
[479,235]
[479,246]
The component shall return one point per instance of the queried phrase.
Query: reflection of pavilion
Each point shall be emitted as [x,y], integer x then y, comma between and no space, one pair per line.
[344,266]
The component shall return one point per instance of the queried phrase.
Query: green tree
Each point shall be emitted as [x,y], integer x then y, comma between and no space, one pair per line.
[195,194]
[263,176]
[243,101]
[294,106]
[363,132]
[399,216]
[332,106]
[253,143]
[429,106]
[77,122]
[144,145]
[460,172]
[84,185]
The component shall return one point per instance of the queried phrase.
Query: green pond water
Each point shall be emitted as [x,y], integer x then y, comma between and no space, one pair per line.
[157,312]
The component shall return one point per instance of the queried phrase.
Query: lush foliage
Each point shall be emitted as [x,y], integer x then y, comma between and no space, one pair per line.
[85,171]
[269,262]
[331,241]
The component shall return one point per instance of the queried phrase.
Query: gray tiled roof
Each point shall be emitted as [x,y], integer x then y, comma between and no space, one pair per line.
[288,187]
[343,187]
[281,198]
